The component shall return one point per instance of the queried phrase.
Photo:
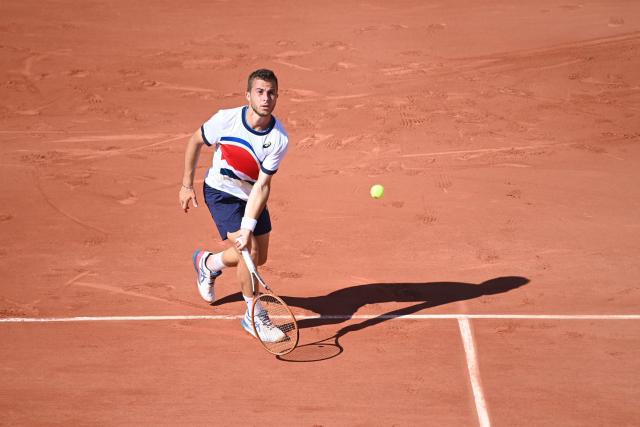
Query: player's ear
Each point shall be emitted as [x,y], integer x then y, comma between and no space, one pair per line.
[248,95]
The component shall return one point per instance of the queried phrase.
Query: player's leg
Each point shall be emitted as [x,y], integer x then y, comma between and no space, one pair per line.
[230,256]
[226,212]
[242,273]
[213,264]
[244,279]
[258,248]
[262,244]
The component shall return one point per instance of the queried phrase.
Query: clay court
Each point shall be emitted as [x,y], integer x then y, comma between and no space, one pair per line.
[495,283]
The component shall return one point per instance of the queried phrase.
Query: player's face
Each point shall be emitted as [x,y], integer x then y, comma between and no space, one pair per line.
[262,97]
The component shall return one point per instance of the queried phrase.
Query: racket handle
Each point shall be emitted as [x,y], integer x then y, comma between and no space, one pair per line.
[248,260]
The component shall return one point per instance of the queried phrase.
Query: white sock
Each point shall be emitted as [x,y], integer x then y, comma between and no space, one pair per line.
[249,301]
[214,262]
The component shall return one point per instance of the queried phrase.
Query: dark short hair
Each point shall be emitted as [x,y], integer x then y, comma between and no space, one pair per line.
[262,74]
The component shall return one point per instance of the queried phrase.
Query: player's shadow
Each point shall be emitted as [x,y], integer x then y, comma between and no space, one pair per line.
[340,305]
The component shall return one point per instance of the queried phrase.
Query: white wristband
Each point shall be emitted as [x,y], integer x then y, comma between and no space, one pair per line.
[248,223]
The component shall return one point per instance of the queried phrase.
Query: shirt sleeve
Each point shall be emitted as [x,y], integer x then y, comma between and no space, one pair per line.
[212,129]
[271,163]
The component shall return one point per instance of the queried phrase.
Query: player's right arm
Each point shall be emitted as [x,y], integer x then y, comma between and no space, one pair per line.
[191,155]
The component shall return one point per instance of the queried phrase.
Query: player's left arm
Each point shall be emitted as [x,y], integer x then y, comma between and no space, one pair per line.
[256,203]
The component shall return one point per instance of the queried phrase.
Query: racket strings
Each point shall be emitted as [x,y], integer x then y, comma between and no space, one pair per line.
[276,326]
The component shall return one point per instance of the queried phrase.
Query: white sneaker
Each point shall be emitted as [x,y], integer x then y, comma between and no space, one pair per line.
[205,278]
[268,331]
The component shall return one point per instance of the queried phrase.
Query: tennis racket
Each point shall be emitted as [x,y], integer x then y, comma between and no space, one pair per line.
[273,322]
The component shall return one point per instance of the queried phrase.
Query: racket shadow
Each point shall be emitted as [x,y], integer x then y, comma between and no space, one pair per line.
[340,306]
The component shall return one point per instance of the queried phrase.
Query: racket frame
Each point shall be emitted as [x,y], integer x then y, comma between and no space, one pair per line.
[256,277]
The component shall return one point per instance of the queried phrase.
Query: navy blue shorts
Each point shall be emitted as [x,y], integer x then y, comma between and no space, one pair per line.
[227,212]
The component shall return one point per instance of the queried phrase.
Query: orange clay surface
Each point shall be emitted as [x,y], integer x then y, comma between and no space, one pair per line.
[506,135]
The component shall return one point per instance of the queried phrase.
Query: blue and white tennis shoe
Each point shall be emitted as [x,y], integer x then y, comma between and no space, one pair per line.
[268,331]
[205,278]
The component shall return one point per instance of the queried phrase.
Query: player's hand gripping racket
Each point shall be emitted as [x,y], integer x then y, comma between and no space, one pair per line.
[273,322]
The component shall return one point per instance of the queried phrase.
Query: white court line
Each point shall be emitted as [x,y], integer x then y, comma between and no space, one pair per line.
[486,150]
[29,132]
[474,372]
[338,317]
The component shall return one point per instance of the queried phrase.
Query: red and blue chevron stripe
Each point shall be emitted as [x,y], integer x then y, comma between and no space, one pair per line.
[239,155]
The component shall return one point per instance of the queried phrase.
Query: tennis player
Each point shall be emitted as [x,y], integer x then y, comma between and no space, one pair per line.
[249,144]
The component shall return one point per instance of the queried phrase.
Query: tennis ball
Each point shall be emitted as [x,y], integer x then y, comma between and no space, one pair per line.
[377,191]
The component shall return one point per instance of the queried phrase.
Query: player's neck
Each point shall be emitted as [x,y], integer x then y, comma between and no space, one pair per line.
[257,122]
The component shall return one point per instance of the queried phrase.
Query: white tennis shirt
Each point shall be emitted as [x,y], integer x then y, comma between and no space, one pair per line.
[242,152]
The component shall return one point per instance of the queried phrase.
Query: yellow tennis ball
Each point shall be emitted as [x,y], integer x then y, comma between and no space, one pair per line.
[377,191]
